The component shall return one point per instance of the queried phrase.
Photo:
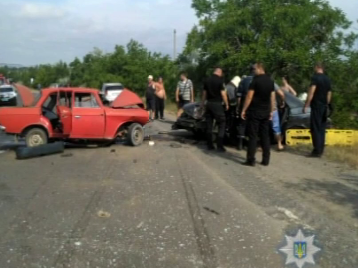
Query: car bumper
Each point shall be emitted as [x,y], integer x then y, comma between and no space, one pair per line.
[5,101]
[188,124]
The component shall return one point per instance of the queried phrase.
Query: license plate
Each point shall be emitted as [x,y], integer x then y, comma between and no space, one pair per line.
[4,99]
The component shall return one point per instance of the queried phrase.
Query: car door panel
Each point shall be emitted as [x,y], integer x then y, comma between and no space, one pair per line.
[65,115]
[88,116]
[64,112]
[88,123]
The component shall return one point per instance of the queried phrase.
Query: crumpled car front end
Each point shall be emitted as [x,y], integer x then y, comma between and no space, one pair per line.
[192,118]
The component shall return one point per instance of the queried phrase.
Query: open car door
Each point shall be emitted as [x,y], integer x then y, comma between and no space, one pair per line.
[64,111]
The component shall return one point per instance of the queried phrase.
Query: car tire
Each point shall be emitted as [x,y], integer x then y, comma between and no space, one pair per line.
[35,137]
[46,149]
[135,134]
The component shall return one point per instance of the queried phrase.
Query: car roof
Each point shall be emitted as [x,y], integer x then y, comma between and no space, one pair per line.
[77,89]
[6,86]
[112,84]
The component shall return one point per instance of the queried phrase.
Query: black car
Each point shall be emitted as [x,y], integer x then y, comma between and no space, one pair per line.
[291,117]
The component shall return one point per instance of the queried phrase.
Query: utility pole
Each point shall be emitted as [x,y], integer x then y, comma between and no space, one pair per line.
[175,45]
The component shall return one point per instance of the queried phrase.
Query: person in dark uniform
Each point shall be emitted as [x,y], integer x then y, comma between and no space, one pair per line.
[214,93]
[319,98]
[259,105]
[150,97]
[241,94]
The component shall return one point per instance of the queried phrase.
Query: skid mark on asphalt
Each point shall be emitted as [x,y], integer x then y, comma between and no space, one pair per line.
[206,249]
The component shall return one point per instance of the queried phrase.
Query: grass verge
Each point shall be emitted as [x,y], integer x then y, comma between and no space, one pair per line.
[171,107]
[343,154]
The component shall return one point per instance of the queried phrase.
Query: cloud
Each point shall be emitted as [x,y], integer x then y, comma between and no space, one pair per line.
[44,11]
[35,31]
[39,31]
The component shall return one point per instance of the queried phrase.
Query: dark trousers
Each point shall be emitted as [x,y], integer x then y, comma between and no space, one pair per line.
[258,125]
[318,128]
[159,109]
[215,110]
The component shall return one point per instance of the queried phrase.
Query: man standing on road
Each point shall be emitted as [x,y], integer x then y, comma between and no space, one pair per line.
[215,94]
[259,104]
[319,98]
[160,97]
[241,94]
[184,93]
[150,97]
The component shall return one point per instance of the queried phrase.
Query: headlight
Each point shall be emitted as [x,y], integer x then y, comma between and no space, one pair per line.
[198,112]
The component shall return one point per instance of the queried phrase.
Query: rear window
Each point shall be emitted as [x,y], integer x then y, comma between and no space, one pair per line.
[109,88]
[292,101]
[6,89]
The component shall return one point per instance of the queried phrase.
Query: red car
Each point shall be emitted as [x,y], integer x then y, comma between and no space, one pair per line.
[77,114]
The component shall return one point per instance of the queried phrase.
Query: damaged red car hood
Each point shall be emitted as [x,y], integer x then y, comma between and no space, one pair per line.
[127,98]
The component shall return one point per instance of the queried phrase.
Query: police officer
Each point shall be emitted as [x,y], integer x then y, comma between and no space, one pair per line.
[214,93]
[241,94]
[319,98]
[259,105]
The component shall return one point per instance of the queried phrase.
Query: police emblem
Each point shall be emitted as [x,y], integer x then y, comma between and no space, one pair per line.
[299,249]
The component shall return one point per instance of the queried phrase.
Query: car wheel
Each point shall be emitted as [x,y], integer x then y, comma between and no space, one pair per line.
[35,137]
[135,134]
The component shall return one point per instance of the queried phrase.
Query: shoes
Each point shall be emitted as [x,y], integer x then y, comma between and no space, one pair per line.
[221,149]
[211,147]
[162,119]
[220,144]
[313,155]
[249,164]
[264,164]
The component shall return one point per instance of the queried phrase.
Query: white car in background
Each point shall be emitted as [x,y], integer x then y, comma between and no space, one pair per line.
[8,95]
[110,91]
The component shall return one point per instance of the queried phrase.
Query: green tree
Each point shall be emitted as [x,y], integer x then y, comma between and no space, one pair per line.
[288,36]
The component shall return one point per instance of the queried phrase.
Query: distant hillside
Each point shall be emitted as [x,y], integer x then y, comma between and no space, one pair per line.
[11,65]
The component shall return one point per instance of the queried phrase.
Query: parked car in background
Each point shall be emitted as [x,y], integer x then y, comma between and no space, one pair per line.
[54,85]
[77,115]
[110,91]
[8,95]
[291,116]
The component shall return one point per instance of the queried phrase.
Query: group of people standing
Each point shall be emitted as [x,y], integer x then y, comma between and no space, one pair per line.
[155,97]
[253,101]
[256,105]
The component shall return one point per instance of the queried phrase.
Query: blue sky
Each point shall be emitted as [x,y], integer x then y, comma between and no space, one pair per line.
[46,31]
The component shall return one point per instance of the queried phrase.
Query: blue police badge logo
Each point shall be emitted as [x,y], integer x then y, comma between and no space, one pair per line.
[299,249]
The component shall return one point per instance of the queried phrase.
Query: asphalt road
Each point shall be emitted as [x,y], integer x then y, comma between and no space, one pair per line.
[172,205]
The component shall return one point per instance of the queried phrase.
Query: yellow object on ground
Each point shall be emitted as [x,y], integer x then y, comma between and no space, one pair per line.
[333,137]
